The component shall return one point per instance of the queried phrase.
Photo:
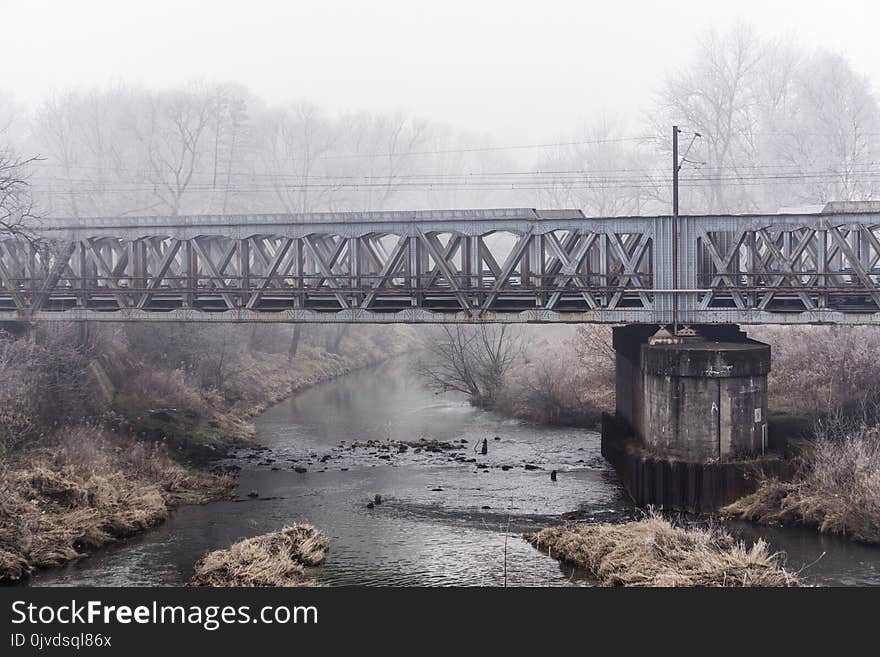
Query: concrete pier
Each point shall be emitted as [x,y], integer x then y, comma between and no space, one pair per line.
[691,406]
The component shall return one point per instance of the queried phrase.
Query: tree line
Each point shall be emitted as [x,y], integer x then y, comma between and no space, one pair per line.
[765,124]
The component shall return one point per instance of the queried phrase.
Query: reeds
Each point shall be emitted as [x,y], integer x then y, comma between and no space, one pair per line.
[83,489]
[274,559]
[837,489]
[654,552]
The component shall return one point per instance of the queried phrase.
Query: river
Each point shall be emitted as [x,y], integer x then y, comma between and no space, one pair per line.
[442,521]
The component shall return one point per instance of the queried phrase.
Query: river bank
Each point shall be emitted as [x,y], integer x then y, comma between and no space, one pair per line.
[441,521]
[835,489]
[444,520]
[85,488]
[74,489]
[200,425]
[446,517]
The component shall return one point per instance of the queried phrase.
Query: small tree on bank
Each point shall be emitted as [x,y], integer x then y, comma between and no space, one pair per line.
[473,361]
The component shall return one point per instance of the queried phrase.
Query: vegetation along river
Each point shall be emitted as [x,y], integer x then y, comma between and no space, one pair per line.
[442,521]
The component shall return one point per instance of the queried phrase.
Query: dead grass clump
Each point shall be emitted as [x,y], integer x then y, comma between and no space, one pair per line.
[274,559]
[13,566]
[837,490]
[654,552]
[57,486]
[149,388]
[83,489]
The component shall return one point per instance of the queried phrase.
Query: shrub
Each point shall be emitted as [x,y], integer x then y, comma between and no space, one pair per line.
[822,370]
[837,488]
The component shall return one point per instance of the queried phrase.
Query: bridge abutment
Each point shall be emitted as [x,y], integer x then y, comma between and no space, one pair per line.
[690,425]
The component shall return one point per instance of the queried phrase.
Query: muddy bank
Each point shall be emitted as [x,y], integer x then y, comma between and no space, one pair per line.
[203,430]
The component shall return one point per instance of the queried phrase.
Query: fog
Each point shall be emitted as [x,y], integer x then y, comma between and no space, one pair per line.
[137,348]
[185,107]
[520,71]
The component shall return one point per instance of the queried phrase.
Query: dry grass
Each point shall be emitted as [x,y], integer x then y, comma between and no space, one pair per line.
[190,393]
[274,559]
[837,490]
[84,489]
[564,377]
[654,552]
[819,370]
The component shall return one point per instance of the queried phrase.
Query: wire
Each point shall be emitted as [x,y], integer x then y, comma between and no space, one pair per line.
[479,149]
[796,168]
[431,187]
[437,180]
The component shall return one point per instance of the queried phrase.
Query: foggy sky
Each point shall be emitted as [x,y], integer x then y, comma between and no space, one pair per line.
[520,71]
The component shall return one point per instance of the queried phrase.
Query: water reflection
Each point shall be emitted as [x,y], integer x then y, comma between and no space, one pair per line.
[442,522]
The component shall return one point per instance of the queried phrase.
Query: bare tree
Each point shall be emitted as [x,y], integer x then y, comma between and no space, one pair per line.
[294,144]
[779,126]
[600,174]
[293,346]
[16,206]
[231,136]
[394,139]
[473,361]
[824,134]
[91,163]
[173,134]
[715,97]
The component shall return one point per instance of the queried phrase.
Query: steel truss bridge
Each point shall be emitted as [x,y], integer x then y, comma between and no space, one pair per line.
[456,266]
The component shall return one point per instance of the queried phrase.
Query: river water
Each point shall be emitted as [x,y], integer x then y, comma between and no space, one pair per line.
[442,521]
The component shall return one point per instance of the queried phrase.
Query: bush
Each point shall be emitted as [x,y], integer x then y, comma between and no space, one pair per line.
[44,382]
[153,389]
[474,361]
[822,370]
[836,490]
[562,379]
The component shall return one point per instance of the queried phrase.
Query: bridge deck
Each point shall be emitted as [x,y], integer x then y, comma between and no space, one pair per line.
[501,265]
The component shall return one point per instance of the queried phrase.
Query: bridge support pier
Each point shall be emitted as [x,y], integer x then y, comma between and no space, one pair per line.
[690,425]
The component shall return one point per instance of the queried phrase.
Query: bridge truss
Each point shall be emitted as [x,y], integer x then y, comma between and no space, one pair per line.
[518,265]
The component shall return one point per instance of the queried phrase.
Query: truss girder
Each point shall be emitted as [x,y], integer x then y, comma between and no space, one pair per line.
[450,266]
[803,269]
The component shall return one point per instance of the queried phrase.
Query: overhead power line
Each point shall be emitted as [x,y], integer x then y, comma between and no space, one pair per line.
[591,172]
[443,186]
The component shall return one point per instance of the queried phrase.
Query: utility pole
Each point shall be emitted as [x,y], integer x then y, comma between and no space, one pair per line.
[675,287]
